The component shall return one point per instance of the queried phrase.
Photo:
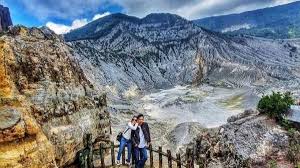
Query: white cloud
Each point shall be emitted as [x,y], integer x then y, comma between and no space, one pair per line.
[190,9]
[58,28]
[62,29]
[98,16]
[77,23]
[280,2]
[194,9]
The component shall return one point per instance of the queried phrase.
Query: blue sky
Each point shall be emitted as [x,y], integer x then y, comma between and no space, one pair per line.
[64,15]
[24,13]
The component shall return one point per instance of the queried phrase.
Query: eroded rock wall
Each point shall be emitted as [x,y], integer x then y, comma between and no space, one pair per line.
[46,103]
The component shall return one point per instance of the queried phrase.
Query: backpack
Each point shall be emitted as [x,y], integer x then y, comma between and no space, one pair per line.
[120,134]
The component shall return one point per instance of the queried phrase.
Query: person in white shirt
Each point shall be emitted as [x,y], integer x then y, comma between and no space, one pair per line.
[126,140]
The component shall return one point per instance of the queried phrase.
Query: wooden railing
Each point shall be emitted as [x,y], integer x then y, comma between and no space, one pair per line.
[85,156]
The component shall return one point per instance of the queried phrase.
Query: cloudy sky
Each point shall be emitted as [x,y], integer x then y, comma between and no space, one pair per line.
[64,15]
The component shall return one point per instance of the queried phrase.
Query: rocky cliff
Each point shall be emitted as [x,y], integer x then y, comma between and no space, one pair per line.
[163,50]
[46,102]
[248,140]
[5,19]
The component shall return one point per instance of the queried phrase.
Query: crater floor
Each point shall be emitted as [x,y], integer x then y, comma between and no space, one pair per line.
[176,115]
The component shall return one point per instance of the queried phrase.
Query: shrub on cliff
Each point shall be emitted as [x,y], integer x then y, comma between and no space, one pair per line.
[294,147]
[275,104]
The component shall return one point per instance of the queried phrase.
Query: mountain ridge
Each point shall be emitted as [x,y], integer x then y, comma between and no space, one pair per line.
[273,22]
[107,23]
[159,55]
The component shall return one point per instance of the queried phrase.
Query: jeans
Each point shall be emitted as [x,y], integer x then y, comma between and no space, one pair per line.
[125,142]
[141,157]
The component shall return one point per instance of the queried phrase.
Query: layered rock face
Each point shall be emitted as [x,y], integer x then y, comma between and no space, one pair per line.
[248,140]
[5,19]
[163,50]
[46,102]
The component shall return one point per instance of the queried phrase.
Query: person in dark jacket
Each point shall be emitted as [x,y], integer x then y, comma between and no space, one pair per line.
[141,140]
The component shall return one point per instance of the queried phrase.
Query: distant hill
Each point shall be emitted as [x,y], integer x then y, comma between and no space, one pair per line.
[275,22]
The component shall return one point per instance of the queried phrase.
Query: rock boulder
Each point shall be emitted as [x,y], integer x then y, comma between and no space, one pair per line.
[248,140]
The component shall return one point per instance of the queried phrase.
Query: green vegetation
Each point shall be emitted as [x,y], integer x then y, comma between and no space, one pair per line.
[286,124]
[272,164]
[276,104]
[294,147]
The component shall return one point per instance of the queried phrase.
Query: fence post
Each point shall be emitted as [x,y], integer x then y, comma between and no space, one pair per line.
[112,153]
[193,157]
[102,156]
[160,156]
[110,130]
[178,160]
[123,156]
[188,158]
[82,160]
[186,154]
[151,156]
[90,148]
[169,159]
[198,148]
[198,152]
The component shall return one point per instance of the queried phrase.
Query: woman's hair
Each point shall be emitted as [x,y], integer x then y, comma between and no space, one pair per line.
[134,117]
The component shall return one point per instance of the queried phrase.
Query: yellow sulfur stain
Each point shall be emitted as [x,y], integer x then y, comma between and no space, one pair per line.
[5,85]
[25,144]
[27,153]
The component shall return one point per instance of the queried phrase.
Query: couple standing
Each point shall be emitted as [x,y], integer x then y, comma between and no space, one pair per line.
[136,135]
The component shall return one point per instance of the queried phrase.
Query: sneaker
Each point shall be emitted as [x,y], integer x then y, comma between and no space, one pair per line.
[128,164]
[118,163]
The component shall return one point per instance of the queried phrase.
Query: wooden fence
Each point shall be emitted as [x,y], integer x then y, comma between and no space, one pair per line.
[85,156]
